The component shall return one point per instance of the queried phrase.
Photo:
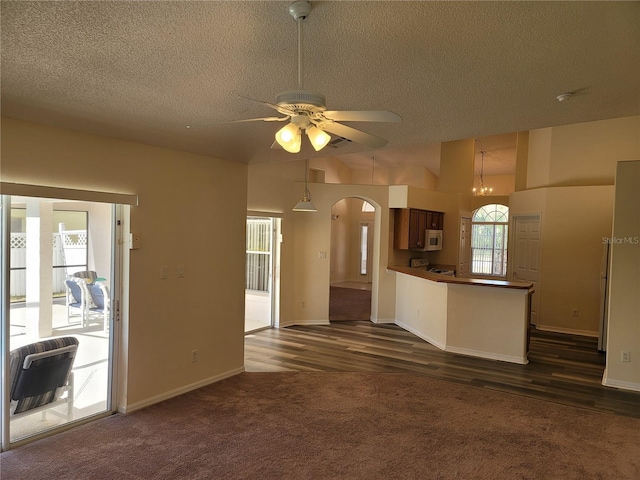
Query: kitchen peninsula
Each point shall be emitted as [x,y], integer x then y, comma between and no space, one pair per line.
[481,318]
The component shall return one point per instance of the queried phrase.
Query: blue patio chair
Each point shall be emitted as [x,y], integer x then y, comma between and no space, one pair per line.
[76,298]
[101,302]
[40,376]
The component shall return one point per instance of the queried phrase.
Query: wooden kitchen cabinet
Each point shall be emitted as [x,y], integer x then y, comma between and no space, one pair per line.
[435,220]
[410,225]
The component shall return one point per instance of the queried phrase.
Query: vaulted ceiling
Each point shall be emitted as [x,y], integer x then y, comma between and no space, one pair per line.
[173,73]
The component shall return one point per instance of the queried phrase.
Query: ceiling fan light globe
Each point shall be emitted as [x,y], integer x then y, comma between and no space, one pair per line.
[289,138]
[319,139]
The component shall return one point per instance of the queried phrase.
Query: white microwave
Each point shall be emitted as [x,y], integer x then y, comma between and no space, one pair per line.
[432,240]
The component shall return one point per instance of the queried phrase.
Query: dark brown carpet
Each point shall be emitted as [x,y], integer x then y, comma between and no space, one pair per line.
[349,304]
[339,425]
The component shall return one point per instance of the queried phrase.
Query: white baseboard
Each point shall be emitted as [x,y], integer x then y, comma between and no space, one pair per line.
[178,391]
[488,355]
[571,331]
[424,337]
[608,382]
[305,322]
[383,320]
[463,351]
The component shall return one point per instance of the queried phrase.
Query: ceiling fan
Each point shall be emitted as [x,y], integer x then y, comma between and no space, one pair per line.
[306,110]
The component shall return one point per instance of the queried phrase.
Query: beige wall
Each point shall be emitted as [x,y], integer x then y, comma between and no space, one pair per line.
[569,177]
[305,273]
[346,218]
[587,153]
[340,249]
[539,156]
[191,212]
[522,159]
[624,281]
[501,184]
[573,224]
[583,153]
[456,166]
[414,175]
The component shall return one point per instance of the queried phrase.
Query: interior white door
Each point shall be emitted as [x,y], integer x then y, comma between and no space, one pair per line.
[464,254]
[526,263]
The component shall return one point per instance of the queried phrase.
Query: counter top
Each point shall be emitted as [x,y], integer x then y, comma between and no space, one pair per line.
[436,277]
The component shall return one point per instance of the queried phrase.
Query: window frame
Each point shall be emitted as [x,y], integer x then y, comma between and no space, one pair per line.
[496,216]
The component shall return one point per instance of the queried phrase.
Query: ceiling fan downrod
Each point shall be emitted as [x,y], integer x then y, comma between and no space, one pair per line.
[300,10]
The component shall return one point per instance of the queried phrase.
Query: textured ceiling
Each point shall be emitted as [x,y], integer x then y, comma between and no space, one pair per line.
[144,71]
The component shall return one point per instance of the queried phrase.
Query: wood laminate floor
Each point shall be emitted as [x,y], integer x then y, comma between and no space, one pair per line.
[562,368]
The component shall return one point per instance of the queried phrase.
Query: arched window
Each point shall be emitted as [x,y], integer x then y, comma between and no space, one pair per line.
[489,227]
[367,207]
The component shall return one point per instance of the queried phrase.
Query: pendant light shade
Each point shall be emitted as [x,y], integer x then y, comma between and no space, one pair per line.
[289,138]
[319,138]
[305,204]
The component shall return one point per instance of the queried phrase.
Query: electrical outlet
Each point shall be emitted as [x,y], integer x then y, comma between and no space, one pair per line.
[625,356]
[303,304]
[576,312]
[194,356]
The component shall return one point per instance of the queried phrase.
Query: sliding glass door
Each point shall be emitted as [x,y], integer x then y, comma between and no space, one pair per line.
[60,296]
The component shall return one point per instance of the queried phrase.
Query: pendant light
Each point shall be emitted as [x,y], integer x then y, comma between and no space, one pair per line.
[305,204]
[482,191]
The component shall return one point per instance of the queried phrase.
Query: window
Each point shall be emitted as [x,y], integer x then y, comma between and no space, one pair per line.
[367,207]
[364,247]
[489,229]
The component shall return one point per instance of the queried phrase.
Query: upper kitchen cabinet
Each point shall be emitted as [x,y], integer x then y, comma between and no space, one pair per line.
[435,220]
[410,225]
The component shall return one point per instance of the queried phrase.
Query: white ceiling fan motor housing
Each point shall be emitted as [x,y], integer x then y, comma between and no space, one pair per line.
[302,100]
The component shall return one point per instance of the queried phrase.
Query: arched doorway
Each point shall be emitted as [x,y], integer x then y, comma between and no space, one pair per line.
[352,229]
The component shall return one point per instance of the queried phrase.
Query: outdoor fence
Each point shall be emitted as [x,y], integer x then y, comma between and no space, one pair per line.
[69,256]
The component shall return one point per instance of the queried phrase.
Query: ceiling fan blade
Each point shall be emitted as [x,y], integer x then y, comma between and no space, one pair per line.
[272,105]
[362,116]
[280,108]
[263,119]
[354,135]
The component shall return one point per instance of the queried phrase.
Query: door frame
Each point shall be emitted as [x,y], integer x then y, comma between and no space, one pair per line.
[274,268]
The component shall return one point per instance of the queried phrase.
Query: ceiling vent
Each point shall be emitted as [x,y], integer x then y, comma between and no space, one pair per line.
[338,142]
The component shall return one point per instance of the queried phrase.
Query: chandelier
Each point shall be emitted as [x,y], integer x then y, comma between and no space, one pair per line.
[482,191]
